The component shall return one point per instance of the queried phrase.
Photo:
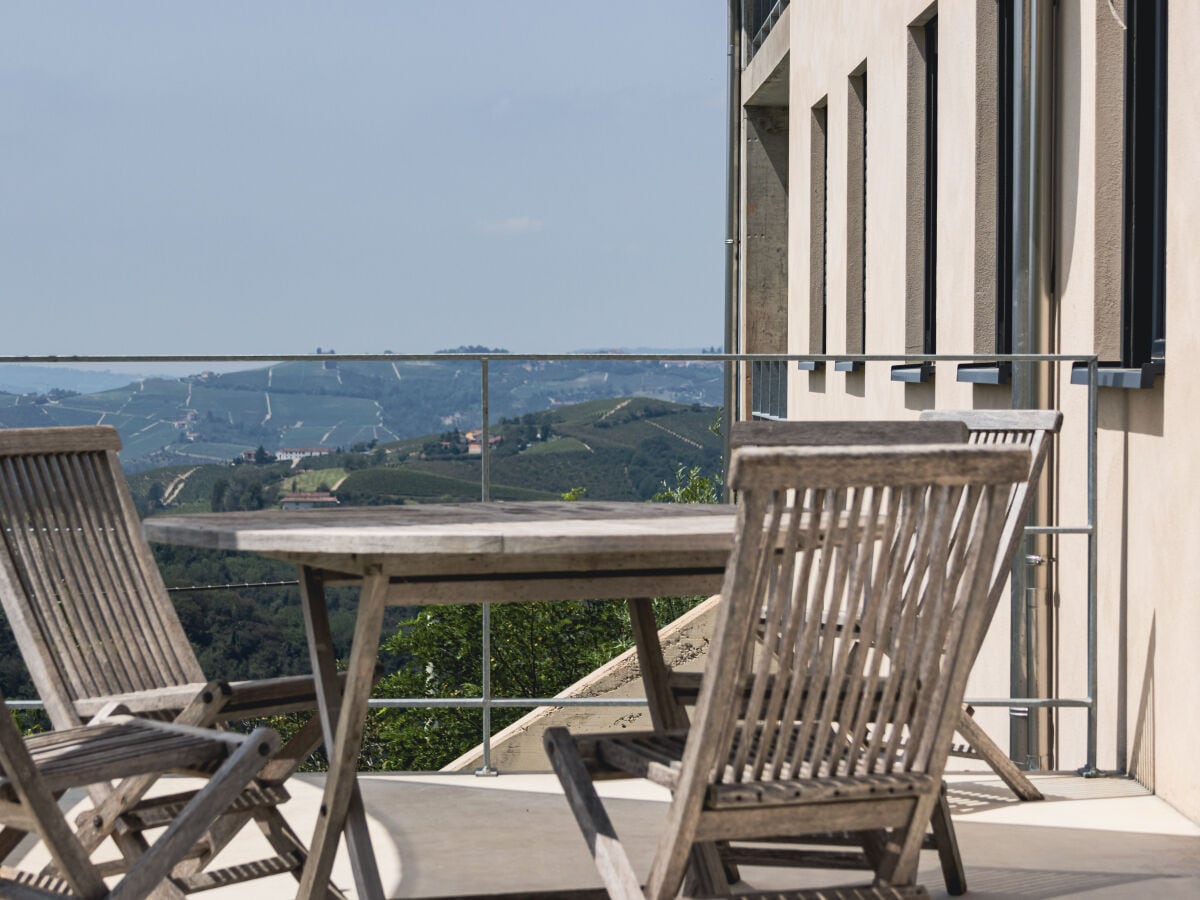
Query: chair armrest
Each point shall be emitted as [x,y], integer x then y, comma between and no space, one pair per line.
[140,703]
[234,700]
[274,696]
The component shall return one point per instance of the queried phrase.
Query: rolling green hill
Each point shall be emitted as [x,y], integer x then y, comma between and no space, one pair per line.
[204,418]
[399,484]
[619,449]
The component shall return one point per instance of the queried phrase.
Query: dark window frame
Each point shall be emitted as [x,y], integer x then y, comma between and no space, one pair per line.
[863,338]
[1006,59]
[856,182]
[1143,259]
[824,114]
[931,168]
[819,125]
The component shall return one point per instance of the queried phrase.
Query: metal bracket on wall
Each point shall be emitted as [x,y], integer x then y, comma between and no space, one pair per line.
[1113,375]
[985,373]
[913,373]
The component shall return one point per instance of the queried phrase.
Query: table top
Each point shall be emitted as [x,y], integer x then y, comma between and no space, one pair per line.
[480,538]
[496,527]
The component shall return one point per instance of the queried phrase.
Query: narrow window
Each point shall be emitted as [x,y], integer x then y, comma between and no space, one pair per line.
[1006,60]
[1143,331]
[764,255]
[818,243]
[856,214]
[920,280]
[931,130]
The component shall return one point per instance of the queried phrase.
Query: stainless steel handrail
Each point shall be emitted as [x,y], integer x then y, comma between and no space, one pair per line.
[486,702]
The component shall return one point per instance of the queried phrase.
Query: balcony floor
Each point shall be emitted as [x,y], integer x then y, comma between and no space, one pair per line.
[459,834]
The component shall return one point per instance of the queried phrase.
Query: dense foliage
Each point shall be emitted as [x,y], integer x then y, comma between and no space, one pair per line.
[537,650]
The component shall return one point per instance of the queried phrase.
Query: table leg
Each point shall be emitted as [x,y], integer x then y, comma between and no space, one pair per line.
[342,719]
[706,876]
[665,713]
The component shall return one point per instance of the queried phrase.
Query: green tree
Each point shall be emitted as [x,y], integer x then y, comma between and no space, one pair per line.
[690,487]
[537,650]
[155,494]
[252,497]
[217,499]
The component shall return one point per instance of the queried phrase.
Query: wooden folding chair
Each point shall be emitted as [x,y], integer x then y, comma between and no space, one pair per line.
[804,727]
[91,615]
[34,771]
[1033,429]
[1030,428]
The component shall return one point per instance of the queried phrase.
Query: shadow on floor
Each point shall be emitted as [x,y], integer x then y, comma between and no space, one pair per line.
[992,883]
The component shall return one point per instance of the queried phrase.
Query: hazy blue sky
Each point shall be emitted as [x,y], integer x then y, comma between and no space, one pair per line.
[263,177]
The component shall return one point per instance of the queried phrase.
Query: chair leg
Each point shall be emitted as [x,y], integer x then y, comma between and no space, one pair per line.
[153,867]
[285,842]
[730,869]
[275,828]
[874,847]
[611,861]
[991,753]
[108,803]
[946,842]
[707,875]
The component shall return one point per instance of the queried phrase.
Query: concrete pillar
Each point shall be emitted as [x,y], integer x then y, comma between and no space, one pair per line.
[765,246]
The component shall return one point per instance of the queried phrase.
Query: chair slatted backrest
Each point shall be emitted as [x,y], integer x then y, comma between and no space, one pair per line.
[78,583]
[1033,429]
[841,433]
[901,540]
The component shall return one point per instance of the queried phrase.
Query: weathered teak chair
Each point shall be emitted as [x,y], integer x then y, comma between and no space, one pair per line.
[1035,430]
[94,623]
[685,686]
[1031,428]
[34,771]
[802,728]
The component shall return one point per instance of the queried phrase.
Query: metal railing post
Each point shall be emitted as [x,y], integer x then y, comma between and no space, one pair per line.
[486,767]
[485,488]
[485,449]
[1090,768]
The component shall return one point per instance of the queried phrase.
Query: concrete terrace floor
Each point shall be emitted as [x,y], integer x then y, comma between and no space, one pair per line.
[459,834]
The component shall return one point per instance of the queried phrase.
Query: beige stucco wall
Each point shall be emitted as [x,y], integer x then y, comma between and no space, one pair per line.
[1163,558]
[1149,568]
[829,42]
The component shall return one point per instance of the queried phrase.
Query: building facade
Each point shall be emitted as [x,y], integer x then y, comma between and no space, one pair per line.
[989,177]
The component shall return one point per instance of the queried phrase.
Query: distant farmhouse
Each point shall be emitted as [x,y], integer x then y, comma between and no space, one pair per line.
[291,454]
[474,439]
